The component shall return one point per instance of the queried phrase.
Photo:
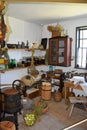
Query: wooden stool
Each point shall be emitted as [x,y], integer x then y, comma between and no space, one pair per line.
[7,125]
[74,100]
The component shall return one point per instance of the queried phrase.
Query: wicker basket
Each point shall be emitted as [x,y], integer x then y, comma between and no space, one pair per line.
[56,33]
[58,96]
[46,92]
[28,80]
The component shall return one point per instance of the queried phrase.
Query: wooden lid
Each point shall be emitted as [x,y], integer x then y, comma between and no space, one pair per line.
[7,125]
[10,91]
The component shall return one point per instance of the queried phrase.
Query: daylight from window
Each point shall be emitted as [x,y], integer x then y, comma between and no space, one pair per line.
[81,47]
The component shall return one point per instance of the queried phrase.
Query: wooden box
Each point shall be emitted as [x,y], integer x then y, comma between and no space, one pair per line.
[33,94]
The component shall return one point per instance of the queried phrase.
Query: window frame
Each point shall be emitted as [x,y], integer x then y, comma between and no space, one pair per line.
[77,45]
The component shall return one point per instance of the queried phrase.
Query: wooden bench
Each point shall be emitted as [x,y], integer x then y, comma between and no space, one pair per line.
[74,100]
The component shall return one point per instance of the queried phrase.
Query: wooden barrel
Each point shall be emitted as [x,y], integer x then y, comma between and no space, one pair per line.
[46,92]
[12,101]
[7,125]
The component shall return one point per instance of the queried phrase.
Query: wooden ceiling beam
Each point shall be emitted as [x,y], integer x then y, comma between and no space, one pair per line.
[67,1]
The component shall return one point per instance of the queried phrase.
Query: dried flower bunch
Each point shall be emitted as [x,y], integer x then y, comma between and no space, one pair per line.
[57,28]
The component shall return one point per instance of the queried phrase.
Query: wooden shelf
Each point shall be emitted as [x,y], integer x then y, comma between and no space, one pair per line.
[26,49]
[16,49]
[11,69]
[17,68]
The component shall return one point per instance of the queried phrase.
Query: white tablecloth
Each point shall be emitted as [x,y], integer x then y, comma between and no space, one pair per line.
[80,80]
[77,79]
[84,87]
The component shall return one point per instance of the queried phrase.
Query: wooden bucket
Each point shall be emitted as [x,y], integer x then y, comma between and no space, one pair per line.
[46,92]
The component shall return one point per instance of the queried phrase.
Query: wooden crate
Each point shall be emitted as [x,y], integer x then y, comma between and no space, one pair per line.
[33,94]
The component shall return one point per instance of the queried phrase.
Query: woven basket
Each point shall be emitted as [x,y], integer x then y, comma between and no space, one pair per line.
[56,33]
[28,80]
[58,96]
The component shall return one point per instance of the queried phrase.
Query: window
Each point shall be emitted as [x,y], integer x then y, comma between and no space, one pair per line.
[81,47]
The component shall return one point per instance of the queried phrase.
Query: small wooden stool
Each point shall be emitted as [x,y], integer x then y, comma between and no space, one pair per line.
[74,100]
[7,125]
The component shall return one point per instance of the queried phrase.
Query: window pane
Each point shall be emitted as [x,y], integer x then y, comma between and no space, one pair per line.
[83,43]
[81,58]
[84,33]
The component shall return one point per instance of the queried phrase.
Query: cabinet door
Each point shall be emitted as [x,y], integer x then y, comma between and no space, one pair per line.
[64,51]
[68,50]
[61,51]
[53,51]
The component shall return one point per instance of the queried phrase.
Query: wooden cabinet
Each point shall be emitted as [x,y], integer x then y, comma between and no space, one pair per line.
[60,51]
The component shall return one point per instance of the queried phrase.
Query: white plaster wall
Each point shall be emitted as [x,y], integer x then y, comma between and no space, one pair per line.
[9,76]
[22,31]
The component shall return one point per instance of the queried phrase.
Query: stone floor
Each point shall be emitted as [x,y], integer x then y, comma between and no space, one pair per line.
[57,118]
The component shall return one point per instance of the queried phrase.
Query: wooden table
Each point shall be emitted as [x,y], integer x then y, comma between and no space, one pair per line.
[74,100]
[71,85]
